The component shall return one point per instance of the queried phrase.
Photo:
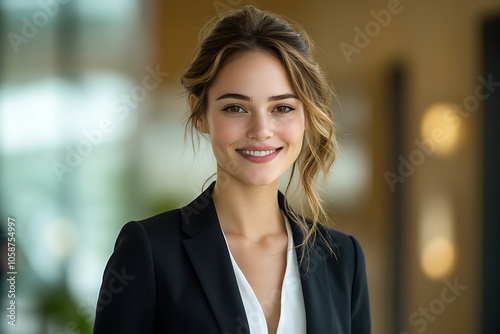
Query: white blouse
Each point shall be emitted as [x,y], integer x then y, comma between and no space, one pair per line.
[293,315]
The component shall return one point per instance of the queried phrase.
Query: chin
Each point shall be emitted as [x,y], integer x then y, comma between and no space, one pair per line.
[254,176]
[260,180]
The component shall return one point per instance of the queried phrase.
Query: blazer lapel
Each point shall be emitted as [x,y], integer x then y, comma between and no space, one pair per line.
[314,279]
[210,258]
[315,286]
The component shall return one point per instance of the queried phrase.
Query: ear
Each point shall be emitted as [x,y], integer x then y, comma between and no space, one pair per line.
[193,101]
[200,121]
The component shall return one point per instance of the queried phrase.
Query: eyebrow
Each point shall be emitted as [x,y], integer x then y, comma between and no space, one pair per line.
[247,98]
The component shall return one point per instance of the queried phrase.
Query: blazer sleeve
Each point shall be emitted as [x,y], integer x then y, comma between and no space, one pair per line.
[126,302]
[360,303]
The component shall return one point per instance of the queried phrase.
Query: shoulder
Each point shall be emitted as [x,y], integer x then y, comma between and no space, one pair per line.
[345,250]
[163,228]
[343,243]
[168,221]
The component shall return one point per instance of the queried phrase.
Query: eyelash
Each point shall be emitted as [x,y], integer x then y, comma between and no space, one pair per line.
[290,108]
[227,108]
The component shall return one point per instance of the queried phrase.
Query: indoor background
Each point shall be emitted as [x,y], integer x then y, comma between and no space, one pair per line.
[92,136]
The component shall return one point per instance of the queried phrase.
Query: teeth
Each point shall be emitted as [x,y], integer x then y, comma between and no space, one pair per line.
[258,153]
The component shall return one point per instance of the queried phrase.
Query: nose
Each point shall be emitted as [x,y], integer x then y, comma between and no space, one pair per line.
[260,126]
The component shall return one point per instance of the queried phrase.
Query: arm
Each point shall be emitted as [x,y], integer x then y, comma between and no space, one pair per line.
[127,299]
[360,304]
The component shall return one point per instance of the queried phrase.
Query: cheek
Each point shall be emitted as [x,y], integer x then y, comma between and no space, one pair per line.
[223,131]
[293,131]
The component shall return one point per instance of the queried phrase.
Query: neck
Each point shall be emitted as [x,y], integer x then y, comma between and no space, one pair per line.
[246,210]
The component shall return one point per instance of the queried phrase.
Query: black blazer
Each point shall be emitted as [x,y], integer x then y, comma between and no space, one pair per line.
[172,274]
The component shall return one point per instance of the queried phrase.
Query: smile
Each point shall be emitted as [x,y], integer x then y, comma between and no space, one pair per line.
[260,156]
[257,153]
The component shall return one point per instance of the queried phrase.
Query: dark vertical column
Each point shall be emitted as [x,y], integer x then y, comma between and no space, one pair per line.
[491,179]
[67,30]
[396,109]
[67,41]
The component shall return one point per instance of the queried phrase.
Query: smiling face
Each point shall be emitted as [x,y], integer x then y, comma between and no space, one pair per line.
[255,122]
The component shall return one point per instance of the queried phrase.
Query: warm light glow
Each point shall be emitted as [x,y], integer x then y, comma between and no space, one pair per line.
[437,248]
[438,257]
[440,128]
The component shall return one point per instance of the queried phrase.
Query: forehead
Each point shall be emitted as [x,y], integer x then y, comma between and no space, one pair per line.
[257,74]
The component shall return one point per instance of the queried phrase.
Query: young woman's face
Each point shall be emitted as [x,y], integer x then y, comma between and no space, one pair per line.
[255,122]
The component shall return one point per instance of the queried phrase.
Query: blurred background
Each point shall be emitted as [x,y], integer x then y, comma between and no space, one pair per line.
[91,136]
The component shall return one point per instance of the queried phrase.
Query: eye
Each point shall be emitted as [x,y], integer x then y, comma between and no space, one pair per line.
[283,109]
[234,109]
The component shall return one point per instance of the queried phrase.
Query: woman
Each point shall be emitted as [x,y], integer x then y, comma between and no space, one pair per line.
[238,259]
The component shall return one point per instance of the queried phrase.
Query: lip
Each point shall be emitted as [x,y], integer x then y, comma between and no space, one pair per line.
[259,159]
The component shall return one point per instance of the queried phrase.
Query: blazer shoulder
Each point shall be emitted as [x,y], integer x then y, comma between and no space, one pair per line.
[344,240]
[162,220]
[346,248]
[163,228]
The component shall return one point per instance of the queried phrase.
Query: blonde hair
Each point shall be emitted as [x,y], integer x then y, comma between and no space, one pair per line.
[250,29]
